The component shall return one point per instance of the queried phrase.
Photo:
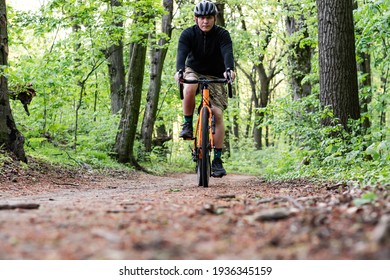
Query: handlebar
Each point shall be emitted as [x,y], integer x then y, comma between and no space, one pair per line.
[203,81]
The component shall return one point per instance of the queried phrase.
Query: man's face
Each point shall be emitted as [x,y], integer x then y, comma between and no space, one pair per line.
[205,23]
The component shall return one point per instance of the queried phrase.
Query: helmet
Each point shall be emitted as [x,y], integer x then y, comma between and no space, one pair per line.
[205,8]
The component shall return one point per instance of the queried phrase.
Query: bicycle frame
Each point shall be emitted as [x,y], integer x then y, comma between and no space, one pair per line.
[199,124]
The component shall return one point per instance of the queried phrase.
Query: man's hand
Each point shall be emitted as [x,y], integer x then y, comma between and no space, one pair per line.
[232,75]
[178,76]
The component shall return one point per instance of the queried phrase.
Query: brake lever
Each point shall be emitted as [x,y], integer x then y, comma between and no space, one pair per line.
[181,75]
[229,76]
[181,78]
[230,81]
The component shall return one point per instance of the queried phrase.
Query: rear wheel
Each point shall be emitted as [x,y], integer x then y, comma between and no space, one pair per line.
[205,160]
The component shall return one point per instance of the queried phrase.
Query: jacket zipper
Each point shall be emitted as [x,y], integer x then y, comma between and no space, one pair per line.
[204,43]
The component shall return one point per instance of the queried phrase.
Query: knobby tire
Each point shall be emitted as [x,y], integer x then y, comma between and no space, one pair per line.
[205,161]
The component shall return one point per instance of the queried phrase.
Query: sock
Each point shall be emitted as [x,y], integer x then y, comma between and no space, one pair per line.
[188,119]
[217,153]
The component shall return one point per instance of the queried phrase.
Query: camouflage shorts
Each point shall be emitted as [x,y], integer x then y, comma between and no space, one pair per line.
[218,96]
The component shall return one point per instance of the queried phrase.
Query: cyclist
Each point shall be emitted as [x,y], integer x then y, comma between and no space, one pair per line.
[205,50]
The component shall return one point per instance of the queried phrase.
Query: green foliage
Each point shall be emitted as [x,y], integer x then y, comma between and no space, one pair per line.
[4,158]
[368,197]
[275,162]
[176,157]
[62,45]
[329,152]
[87,159]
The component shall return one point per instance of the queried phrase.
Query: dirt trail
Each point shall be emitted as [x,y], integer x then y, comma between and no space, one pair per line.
[140,216]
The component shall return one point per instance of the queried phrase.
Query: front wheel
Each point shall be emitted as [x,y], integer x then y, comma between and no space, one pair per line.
[204,164]
[199,172]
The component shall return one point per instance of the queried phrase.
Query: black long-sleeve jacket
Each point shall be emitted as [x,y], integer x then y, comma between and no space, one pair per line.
[206,53]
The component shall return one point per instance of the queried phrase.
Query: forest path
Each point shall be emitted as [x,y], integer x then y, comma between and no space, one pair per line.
[141,216]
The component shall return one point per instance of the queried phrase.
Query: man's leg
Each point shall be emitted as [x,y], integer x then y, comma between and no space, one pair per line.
[217,167]
[189,92]
[219,135]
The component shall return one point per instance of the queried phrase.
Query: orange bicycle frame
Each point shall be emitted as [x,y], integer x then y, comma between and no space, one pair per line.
[205,106]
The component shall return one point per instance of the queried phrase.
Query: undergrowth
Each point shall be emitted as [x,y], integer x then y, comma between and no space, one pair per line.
[278,162]
[300,148]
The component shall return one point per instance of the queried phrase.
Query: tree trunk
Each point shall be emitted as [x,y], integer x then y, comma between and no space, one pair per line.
[338,72]
[129,119]
[299,59]
[250,112]
[116,70]
[157,55]
[229,127]
[221,14]
[257,131]
[77,73]
[265,81]
[116,67]
[365,86]
[382,114]
[10,137]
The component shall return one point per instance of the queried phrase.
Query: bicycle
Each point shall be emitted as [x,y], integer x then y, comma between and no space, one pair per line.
[205,126]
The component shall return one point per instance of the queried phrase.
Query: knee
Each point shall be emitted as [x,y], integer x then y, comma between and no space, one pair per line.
[218,115]
[189,91]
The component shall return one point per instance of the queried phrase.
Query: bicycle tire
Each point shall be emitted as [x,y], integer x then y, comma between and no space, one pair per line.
[205,161]
[199,172]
